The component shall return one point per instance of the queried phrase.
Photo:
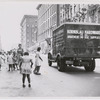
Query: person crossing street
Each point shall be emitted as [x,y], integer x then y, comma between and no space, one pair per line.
[38,60]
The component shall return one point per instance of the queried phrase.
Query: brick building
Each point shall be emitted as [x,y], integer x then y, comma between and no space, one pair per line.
[51,16]
[28,31]
[47,22]
[94,13]
[73,13]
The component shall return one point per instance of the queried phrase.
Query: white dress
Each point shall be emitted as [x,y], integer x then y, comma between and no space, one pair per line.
[26,68]
[0,60]
[37,59]
[10,60]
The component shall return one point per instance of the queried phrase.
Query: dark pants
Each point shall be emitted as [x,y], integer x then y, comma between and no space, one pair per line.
[11,67]
[36,70]
[24,77]
[15,66]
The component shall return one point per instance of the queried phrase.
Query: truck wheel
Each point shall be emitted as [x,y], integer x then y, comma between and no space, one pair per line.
[61,65]
[49,57]
[91,66]
[50,63]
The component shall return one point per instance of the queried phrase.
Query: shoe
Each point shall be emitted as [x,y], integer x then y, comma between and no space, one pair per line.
[38,73]
[23,86]
[35,72]
[29,85]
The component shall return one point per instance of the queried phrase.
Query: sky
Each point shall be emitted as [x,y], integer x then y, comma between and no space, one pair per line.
[11,14]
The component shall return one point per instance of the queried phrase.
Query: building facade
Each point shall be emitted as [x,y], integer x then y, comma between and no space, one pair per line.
[73,13]
[86,13]
[94,13]
[51,16]
[47,22]
[0,44]
[28,31]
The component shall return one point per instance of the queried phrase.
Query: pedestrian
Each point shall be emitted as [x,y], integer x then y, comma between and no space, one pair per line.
[1,60]
[38,60]
[4,57]
[10,61]
[19,54]
[26,68]
[15,60]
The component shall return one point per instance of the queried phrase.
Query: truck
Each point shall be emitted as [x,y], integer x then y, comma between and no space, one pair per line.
[75,44]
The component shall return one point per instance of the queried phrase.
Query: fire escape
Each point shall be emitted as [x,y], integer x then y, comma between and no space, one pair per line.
[94,13]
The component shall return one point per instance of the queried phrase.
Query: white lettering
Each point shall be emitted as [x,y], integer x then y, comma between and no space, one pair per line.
[72,31]
[73,36]
[87,34]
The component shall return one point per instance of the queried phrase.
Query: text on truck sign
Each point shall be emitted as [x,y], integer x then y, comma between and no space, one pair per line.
[83,34]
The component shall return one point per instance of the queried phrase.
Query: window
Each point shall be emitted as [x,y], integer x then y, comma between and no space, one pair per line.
[32,35]
[27,25]
[27,40]
[32,30]
[35,23]
[32,25]
[32,40]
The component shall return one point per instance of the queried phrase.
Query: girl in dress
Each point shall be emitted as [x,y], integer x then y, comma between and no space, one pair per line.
[38,60]
[15,60]
[1,60]
[26,68]
[10,61]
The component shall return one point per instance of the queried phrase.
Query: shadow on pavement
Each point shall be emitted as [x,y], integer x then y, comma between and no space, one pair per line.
[79,71]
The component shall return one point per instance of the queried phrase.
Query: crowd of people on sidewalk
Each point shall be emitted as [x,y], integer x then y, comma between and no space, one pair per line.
[21,61]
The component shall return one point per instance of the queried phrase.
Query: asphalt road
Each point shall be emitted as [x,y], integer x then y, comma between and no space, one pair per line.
[74,82]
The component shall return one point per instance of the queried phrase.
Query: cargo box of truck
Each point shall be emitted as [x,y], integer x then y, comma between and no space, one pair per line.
[76,44]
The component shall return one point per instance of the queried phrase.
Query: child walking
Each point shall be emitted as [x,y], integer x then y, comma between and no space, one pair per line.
[15,60]
[1,60]
[10,61]
[26,69]
[38,60]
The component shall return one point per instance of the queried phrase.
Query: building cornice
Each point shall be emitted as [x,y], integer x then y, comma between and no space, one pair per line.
[39,6]
[27,16]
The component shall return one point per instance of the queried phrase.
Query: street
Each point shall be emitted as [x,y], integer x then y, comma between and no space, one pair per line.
[74,82]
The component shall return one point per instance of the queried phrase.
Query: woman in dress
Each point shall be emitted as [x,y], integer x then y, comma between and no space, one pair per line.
[26,68]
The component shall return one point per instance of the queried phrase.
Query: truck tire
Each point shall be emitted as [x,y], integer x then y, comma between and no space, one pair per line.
[49,63]
[61,65]
[49,57]
[91,66]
